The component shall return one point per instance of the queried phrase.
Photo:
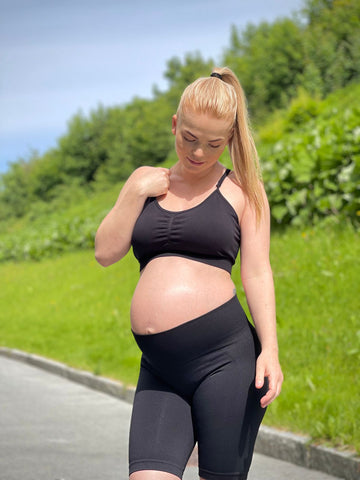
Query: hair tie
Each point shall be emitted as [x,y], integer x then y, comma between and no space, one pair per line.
[217,75]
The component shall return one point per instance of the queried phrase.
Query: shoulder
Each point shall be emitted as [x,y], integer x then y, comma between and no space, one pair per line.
[234,194]
[251,220]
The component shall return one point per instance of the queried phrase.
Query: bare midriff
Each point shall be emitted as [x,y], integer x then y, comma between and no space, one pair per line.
[173,290]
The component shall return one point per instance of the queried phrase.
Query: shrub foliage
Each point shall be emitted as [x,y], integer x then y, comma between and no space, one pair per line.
[303,104]
[313,171]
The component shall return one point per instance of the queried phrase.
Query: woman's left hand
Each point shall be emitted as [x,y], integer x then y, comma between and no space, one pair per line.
[268,365]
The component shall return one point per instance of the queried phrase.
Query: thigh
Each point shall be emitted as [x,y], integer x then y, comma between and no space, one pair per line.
[227,415]
[161,431]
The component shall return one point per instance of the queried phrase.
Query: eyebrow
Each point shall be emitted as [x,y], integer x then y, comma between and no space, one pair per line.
[210,141]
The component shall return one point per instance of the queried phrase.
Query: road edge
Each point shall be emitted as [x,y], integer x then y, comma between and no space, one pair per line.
[282,445]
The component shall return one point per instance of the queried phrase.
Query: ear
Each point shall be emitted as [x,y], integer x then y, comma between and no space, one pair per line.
[174,123]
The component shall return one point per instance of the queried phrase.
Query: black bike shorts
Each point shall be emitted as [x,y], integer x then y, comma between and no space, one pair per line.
[197,384]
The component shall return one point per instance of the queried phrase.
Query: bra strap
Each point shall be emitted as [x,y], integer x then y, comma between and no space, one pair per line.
[227,171]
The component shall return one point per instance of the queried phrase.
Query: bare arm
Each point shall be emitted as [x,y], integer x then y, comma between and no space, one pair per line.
[113,237]
[257,279]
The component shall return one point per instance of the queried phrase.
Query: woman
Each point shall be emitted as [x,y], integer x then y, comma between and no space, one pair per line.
[206,376]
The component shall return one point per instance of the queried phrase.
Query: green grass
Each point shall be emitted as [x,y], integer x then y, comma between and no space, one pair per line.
[71,309]
[66,224]
[316,277]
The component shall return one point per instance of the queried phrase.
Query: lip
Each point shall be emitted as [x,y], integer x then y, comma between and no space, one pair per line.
[193,162]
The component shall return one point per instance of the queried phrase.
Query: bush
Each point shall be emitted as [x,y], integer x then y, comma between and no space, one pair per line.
[313,171]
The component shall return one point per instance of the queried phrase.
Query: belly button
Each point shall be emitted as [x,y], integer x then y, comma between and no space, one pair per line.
[149,331]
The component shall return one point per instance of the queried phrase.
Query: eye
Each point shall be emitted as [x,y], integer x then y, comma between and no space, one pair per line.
[214,146]
[188,139]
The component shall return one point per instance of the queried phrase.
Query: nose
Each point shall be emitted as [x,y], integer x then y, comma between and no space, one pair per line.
[198,152]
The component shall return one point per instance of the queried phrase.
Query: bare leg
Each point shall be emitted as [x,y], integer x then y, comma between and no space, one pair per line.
[152,475]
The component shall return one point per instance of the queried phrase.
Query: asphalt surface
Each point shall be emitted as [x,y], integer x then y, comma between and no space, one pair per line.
[55,429]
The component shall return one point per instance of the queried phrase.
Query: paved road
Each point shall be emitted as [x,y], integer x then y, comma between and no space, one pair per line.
[54,429]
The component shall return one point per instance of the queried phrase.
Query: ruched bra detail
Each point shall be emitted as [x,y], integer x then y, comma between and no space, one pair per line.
[208,232]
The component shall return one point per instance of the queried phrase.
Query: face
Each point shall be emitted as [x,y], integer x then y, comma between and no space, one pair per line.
[200,139]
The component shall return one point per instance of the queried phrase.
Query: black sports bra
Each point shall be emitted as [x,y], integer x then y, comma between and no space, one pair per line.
[208,233]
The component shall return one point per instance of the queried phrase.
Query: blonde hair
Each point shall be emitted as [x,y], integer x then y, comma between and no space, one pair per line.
[224,98]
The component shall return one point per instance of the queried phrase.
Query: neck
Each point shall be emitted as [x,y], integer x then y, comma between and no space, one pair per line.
[210,175]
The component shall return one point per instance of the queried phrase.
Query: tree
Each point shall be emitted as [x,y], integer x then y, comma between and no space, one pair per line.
[179,73]
[81,149]
[138,134]
[269,61]
[45,174]
[332,41]
[15,196]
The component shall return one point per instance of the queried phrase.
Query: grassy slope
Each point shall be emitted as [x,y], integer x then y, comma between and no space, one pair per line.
[275,127]
[71,309]
[316,276]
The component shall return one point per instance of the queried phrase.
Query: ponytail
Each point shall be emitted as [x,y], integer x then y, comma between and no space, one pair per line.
[242,148]
[221,95]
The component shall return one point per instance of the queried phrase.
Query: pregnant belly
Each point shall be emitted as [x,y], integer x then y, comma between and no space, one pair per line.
[174,290]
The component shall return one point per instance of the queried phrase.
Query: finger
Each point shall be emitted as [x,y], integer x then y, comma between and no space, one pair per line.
[268,398]
[260,375]
[168,180]
[167,174]
[271,394]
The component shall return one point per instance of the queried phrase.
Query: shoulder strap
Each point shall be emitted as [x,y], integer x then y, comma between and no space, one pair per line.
[148,201]
[227,171]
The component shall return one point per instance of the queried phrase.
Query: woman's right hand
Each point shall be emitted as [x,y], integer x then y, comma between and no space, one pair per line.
[113,238]
[151,181]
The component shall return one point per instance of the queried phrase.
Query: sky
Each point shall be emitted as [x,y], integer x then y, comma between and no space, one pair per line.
[58,58]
